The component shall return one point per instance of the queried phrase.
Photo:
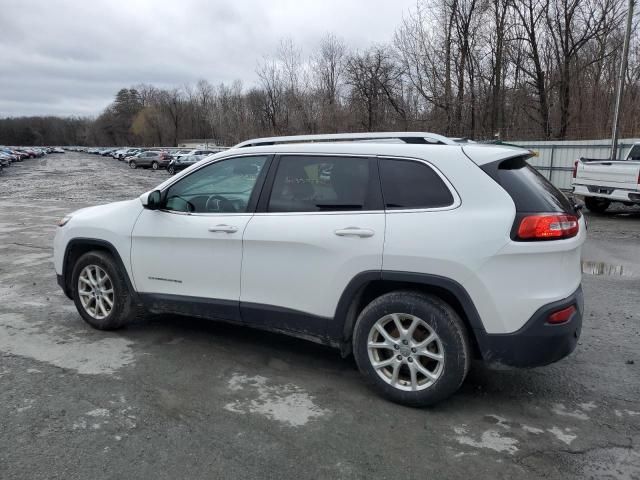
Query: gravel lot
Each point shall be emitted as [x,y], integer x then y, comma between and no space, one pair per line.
[174,397]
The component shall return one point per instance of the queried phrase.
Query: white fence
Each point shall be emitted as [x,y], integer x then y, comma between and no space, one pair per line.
[555,158]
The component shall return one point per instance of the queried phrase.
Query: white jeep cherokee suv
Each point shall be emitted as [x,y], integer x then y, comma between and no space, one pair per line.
[410,250]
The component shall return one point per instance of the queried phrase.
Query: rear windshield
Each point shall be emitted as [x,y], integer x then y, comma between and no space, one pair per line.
[530,191]
[634,153]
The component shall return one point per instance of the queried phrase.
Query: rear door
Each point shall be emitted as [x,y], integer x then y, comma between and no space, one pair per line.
[319,225]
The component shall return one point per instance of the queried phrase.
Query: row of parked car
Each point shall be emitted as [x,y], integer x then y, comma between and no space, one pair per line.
[9,155]
[171,159]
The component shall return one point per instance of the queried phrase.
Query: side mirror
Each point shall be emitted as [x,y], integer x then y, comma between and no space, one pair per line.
[151,200]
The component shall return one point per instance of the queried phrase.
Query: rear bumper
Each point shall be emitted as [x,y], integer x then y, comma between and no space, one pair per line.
[537,343]
[610,193]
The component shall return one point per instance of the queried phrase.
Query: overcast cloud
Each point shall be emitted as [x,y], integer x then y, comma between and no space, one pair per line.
[70,57]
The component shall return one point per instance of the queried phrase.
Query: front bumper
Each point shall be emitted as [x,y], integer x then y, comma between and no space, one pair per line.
[537,343]
[63,285]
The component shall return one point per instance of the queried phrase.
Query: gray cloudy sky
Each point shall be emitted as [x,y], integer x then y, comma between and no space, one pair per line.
[69,57]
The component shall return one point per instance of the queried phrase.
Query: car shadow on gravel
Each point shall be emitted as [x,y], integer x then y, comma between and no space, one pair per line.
[483,383]
[160,329]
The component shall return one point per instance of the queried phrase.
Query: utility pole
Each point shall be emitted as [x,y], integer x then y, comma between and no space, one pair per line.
[623,71]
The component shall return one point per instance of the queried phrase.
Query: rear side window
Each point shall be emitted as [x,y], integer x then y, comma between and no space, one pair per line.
[410,184]
[530,191]
[324,184]
[634,153]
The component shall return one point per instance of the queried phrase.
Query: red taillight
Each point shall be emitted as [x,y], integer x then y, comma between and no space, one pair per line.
[575,168]
[548,227]
[561,316]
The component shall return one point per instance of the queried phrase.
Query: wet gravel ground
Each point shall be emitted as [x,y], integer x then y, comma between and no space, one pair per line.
[173,397]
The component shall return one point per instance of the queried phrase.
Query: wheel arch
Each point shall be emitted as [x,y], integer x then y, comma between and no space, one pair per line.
[78,247]
[366,286]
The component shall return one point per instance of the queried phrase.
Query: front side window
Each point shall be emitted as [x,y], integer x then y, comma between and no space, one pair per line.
[408,184]
[221,187]
[317,184]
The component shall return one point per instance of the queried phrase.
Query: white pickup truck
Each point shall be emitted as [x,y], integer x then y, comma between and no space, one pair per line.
[601,182]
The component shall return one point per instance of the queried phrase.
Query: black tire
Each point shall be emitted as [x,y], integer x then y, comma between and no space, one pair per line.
[124,308]
[154,165]
[597,205]
[442,319]
[171,170]
[132,164]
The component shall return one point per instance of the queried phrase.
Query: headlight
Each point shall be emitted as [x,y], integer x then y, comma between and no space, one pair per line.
[64,221]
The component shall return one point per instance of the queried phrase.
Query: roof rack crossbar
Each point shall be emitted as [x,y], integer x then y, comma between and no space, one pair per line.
[406,137]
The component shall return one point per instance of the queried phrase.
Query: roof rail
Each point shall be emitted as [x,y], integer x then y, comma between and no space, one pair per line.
[406,137]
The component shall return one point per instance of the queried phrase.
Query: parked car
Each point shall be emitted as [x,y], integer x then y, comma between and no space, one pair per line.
[413,256]
[153,159]
[180,163]
[600,182]
[17,154]
[57,150]
[9,156]
[116,152]
[129,152]
[125,152]
[198,151]
[181,153]
[5,160]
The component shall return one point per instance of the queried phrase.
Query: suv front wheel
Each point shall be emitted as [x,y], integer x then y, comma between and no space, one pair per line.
[411,347]
[100,292]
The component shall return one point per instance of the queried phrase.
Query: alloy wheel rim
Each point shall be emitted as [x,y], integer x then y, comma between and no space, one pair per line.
[405,352]
[96,292]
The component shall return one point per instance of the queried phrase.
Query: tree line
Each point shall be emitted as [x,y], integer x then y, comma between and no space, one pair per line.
[480,69]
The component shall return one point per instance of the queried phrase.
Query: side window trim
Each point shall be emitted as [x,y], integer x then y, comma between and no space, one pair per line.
[253,199]
[454,193]
[267,187]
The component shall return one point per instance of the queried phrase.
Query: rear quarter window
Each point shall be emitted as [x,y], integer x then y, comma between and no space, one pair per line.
[530,191]
[409,184]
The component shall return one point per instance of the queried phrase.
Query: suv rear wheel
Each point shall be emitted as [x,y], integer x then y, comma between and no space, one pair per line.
[132,164]
[154,165]
[412,348]
[100,292]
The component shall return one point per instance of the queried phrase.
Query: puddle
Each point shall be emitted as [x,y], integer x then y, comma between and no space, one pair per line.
[601,268]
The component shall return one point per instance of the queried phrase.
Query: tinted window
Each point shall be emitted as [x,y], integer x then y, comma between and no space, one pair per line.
[221,187]
[311,184]
[410,184]
[634,153]
[530,191]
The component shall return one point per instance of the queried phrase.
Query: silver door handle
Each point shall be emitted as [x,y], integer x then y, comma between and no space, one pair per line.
[355,231]
[224,228]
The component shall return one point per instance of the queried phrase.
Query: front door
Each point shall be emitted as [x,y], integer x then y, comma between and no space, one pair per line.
[189,252]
